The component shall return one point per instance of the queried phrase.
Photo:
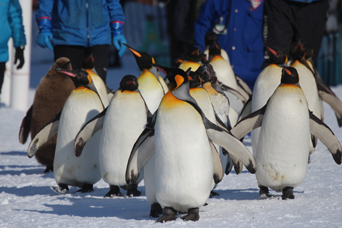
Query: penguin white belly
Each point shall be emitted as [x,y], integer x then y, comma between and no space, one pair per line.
[265,85]
[283,148]
[183,158]
[81,106]
[309,86]
[149,180]
[224,73]
[151,91]
[124,121]
[223,54]
[203,100]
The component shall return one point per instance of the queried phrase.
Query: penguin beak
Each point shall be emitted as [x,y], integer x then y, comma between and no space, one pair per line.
[287,71]
[133,51]
[272,51]
[65,72]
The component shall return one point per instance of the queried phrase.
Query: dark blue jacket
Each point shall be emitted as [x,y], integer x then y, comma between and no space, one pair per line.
[11,25]
[243,41]
[80,22]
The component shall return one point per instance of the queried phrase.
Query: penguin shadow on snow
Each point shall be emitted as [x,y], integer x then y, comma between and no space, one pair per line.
[88,205]
[237,194]
[27,191]
[24,169]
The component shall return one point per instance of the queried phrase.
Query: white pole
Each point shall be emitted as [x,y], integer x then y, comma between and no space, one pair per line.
[20,81]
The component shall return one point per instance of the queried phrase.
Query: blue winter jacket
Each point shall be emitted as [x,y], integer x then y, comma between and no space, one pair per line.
[80,22]
[307,1]
[243,41]
[11,25]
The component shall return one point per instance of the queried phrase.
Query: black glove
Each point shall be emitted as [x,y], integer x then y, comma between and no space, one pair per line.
[19,55]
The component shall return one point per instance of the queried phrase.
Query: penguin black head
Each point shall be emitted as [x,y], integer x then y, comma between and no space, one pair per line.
[289,75]
[144,60]
[178,60]
[193,54]
[176,76]
[308,51]
[88,62]
[129,82]
[209,38]
[79,77]
[207,74]
[297,51]
[194,79]
[277,56]
[214,49]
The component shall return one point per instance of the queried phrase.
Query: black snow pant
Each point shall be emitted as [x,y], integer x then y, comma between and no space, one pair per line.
[77,53]
[2,74]
[289,21]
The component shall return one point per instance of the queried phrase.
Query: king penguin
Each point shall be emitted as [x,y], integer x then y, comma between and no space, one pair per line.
[209,39]
[152,88]
[121,123]
[265,85]
[283,148]
[179,135]
[52,92]
[192,59]
[83,104]
[222,108]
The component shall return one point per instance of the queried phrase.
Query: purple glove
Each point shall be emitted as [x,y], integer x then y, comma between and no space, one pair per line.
[118,37]
[45,36]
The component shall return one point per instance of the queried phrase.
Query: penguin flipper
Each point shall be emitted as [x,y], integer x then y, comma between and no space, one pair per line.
[249,123]
[218,170]
[327,137]
[237,164]
[142,151]
[49,130]
[231,144]
[230,164]
[228,89]
[243,87]
[247,109]
[25,126]
[87,131]
[334,102]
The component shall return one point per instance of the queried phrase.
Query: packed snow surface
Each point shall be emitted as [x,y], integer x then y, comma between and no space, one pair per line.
[26,199]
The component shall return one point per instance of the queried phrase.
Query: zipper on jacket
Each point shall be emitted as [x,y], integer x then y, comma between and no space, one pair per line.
[87,21]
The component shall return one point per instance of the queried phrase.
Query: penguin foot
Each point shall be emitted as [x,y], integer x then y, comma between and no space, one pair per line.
[48,168]
[169,214]
[206,204]
[288,193]
[193,215]
[86,188]
[212,194]
[61,189]
[156,210]
[133,190]
[114,191]
[264,193]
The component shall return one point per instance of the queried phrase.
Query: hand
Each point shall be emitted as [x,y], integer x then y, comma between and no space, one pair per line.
[19,55]
[118,41]
[44,40]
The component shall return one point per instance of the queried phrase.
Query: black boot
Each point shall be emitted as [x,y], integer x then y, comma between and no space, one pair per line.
[169,214]
[193,215]
[156,210]
[288,193]
[113,191]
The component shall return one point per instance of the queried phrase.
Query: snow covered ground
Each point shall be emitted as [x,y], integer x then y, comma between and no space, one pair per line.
[26,199]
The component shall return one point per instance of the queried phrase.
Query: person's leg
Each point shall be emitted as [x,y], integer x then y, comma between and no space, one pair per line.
[101,54]
[311,19]
[280,28]
[2,74]
[74,53]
